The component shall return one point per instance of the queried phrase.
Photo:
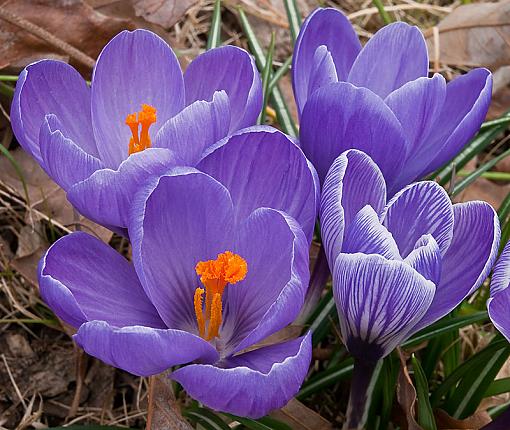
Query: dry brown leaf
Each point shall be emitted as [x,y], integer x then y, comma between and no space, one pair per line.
[163,413]
[406,395]
[474,35]
[163,12]
[474,422]
[72,21]
[300,417]
[45,195]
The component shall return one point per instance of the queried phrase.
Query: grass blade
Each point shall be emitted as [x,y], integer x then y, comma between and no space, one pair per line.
[294,18]
[326,379]
[384,15]
[18,170]
[281,108]
[445,326]
[214,38]
[461,185]
[425,415]
[206,418]
[279,73]
[266,76]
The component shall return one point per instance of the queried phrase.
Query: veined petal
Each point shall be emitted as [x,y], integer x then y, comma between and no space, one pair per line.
[270,171]
[142,351]
[64,161]
[134,68]
[83,279]
[419,209]
[395,55]
[230,69]
[425,258]
[328,27]
[340,116]
[498,306]
[340,204]
[367,235]
[467,101]
[378,301]
[500,279]
[273,292]
[468,260]
[195,128]
[106,196]
[51,87]
[251,384]
[176,221]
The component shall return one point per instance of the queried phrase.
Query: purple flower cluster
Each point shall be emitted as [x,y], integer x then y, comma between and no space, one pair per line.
[220,212]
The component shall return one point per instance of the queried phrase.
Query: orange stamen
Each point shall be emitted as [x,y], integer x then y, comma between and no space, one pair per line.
[228,268]
[197,300]
[146,117]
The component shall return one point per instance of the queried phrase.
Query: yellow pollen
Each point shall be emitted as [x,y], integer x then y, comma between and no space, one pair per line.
[146,117]
[228,268]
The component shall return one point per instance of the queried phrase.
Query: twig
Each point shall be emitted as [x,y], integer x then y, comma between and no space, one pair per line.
[47,37]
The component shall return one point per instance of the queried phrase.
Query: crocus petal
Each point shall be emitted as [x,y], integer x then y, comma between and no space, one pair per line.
[395,55]
[500,279]
[378,301]
[232,70]
[425,258]
[340,116]
[367,235]
[106,196]
[499,302]
[417,106]
[469,258]
[271,296]
[328,27]
[64,161]
[82,279]
[134,68]
[142,351]
[467,101]
[324,72]
[51,87]
[339,204]
[178,220]
[270,171]
[252,384]
[195,128]
[420,208]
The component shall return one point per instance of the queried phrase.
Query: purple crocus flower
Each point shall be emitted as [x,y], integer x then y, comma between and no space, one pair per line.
[213,274]
[140,117]
[498,304]
[398,266]
[380,100]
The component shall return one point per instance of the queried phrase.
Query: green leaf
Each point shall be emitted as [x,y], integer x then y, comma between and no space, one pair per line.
[320,320]
[279,73]
[473,385]
[445,326]
[474,175]
[469,366]
[425,414]
[504,209]
[477,145]
[278,101]
[326,378]
[266,423]
[266,76]
[384,15]
[207,419]
[497,387]
[214,39]
[294,18]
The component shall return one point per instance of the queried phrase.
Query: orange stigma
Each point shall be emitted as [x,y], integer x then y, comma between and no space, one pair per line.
[146,117]
[228,268]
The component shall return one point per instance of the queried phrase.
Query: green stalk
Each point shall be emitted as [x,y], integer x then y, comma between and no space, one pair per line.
[214,39]
[266,77]
[384,15]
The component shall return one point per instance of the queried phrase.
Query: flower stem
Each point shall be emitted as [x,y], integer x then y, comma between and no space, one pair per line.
[364,377]
[318,279]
